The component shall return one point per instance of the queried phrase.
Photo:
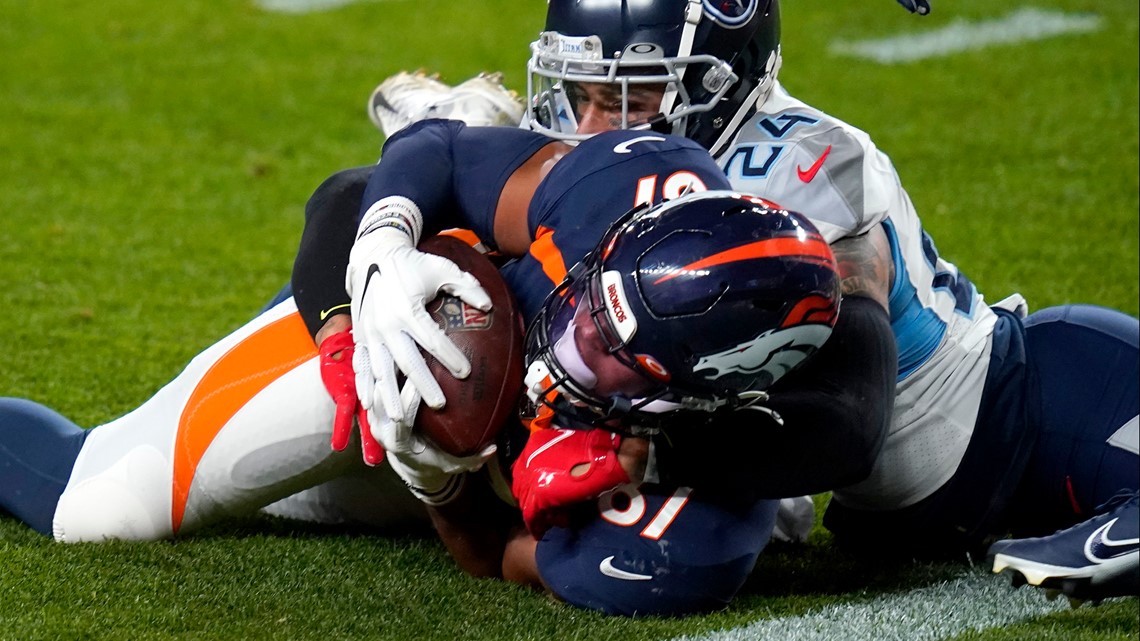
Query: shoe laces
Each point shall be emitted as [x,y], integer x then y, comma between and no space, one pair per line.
[1120,499]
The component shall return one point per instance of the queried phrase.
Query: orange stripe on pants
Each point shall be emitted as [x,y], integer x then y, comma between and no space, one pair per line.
[231,382]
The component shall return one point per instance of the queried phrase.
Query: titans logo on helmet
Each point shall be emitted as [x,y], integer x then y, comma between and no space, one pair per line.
[730,13]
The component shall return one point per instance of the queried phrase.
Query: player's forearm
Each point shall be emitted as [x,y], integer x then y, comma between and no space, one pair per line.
[322,257]
[334,325]
[835,409]
[474,528]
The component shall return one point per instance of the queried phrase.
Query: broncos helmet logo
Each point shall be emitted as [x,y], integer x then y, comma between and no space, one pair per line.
[776,352]
[768,356]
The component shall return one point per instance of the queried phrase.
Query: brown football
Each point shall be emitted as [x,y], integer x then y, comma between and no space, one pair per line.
[477,406]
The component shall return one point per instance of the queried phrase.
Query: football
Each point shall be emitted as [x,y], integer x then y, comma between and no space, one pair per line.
[478,406]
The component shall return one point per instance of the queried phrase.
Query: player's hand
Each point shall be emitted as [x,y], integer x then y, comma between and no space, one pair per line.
[390,283]
[433,475]
[559,468]
[921,7]
[336,371]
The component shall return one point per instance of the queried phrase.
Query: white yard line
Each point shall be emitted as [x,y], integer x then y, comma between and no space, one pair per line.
[975,601]
[305,6]
[960,35]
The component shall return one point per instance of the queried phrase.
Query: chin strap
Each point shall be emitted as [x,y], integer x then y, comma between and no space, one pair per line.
[693,13]
[752,400]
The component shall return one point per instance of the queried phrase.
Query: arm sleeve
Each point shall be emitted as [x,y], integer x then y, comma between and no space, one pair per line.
[330,229]
[836,410]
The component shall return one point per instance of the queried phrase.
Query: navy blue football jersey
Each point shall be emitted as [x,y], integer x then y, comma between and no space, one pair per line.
[589,189]
[456,173]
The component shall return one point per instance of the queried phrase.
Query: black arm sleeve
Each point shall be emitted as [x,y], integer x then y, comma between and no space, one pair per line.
[836,409]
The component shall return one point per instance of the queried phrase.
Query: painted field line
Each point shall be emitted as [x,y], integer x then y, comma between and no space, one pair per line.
[305,6]
[975,601]
[1022,25]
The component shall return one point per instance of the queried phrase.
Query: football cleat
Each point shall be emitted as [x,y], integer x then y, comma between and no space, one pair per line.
[1093,560]
[795,519]
[411,97]
[405,98]
[484,101]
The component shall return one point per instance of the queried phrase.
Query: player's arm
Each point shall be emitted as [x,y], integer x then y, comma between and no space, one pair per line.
[434,175]
[836,407]
[865,265]
[322,256]
[475,527]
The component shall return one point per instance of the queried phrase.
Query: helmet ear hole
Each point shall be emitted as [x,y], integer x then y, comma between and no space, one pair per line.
[766,304]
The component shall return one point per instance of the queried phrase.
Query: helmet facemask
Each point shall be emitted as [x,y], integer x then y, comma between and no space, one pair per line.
[559,377]
[558,63]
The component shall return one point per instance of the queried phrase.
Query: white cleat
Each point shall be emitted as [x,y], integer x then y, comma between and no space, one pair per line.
[405,98]
[483,101]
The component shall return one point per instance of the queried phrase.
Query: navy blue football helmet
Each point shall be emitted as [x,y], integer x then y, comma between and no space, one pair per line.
[715,59]
[710,298]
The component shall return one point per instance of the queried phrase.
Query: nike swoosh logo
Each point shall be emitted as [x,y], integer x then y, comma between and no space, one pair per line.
[607,568]
[808,175]
[325,313]
[372,269]
[554,441]
[624,147]
[1099,548]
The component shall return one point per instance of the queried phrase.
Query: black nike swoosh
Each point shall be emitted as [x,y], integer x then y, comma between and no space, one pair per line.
[372,269]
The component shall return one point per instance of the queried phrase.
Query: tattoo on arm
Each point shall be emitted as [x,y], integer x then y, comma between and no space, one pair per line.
[865,265]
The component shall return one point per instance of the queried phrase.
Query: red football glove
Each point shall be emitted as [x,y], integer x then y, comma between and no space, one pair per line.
[340,380]
[558,468]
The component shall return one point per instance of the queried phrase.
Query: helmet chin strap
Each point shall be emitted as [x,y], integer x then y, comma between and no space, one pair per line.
[758,94]
[659,124]
[693,14]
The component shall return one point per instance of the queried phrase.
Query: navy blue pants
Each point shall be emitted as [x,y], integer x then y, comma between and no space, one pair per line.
[1050,445]
[38,448]
[1086,364]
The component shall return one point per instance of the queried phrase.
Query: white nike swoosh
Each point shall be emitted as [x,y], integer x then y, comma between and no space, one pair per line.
[624,147]
[554,441]
[1099,539]
[607,568]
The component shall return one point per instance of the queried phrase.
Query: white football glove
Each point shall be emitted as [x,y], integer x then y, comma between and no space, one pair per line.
[433,476]
[390,283]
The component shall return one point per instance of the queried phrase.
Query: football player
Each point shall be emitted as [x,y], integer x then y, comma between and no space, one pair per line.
[710,357]
[249,420]
[711,75]
[407,98]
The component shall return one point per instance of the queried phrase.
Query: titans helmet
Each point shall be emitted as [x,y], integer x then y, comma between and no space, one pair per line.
[714,58]
[709,298]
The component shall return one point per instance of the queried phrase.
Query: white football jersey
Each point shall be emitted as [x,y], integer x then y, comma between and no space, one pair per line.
[831,172]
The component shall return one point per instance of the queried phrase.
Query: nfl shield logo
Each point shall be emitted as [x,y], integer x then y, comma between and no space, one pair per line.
[455,315]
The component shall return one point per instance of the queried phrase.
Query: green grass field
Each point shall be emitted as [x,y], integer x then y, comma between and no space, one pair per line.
[154,162]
